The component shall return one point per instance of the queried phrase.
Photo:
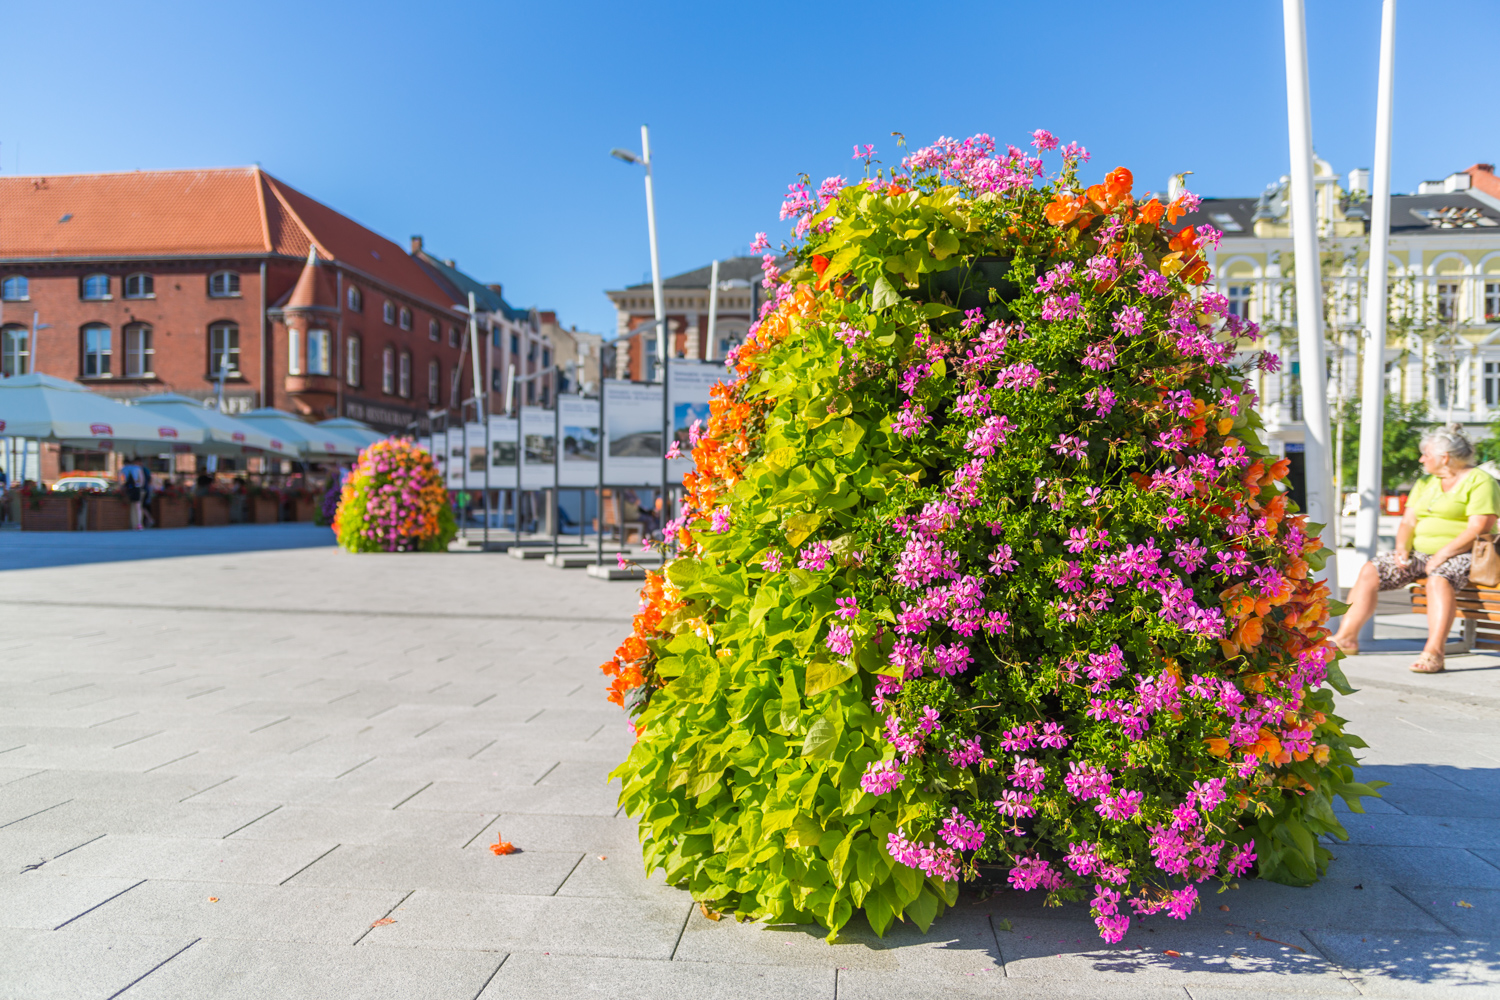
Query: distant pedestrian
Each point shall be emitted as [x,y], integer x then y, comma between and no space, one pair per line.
[133,477]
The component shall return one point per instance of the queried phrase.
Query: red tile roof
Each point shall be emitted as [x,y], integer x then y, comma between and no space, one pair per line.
[189,213]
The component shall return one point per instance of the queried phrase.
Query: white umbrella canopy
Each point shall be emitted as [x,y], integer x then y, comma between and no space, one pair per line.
[222,434]
[48,408]
[310,443]
[362,433]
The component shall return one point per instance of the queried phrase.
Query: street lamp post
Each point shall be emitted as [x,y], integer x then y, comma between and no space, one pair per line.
[644,159]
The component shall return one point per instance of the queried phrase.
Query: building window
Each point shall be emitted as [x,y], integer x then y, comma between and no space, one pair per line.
[515,345]
[405,376]
[434,382]
[1443,382]
[351,360]
[405,318]
[452,336]
[15,289]
[1447,301]
[319,353]
[1293,391]
[1239,300]
[224,350]
[140,286]
[95,287]
[546,358]
[15,351]
[294,351]
[1492,383]
[1491,301]
[388,371]
[138,351]
[96,351]
[434,329]
[224,284]
[356,299]
[388,312]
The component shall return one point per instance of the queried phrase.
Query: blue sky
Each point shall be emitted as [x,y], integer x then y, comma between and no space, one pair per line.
[486,127]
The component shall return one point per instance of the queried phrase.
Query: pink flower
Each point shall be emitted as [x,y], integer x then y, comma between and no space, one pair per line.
[720,520]
[1043,140]
[880,777]
[960,832]
[1173,519]
[840,640]
[1130,321]
[1155,284]
[814,556]
[760,244]
[771,561]
[1061,307]
[848,607]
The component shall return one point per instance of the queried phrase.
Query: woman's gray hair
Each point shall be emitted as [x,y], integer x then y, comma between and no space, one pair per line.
[1449,439]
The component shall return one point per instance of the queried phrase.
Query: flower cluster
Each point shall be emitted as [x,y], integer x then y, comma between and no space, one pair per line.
[394,501]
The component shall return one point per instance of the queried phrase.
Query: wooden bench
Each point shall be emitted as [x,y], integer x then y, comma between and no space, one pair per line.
[1478,609]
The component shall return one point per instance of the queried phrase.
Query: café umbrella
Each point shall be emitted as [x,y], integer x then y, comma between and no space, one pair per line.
[309,442]
[222,434]
[360,432]
[46,408]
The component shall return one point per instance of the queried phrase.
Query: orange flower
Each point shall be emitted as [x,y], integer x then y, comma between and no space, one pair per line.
[1150,213]
[502,846]
[1117,183]
[1061,210]
[1217,746]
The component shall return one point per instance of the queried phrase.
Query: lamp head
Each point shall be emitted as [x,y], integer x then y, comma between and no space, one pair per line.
[624,155]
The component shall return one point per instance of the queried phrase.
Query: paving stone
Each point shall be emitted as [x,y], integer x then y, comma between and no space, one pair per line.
[347,825]
[227,969]
[41,900]
[552,800]
[263,862]
[1413,964]
[620,875]
[1480,919]
[639,928]
[593,835]
[224,909]
[548,977]
[872,984]
[1411,866]
[530,873]
[43,965]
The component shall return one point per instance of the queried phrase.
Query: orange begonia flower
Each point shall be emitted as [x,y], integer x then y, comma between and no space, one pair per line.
[1150,213]
[1217,746]
[1061,210]
[502,846]
[1118,183]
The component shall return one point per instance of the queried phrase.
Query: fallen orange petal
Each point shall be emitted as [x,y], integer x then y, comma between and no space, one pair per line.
[503,846]
[382,922]
[213,899]
[1174,954]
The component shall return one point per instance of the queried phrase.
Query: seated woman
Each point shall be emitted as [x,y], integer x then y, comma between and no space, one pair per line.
[1452,505]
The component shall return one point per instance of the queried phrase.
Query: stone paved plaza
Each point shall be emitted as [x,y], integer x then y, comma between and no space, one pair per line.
[232,773]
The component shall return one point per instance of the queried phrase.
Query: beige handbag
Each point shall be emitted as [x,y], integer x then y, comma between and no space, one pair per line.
[1484,562]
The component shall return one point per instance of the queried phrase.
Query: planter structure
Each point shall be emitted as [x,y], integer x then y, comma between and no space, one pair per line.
[262,509]
[211,511]
[106,513]
[303,509]
[50,512]
[171,511]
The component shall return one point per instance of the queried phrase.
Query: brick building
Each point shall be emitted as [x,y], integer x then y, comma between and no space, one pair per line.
[201,281]
[687,306]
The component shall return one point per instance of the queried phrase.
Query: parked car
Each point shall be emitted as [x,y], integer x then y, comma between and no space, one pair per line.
[82,483]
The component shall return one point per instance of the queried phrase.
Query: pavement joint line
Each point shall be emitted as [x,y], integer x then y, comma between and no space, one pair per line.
[564,882]
[332,612]
[278,670]
[95,725]
[538,712]
[680,931]
[87,635]
[482,749]
[137,739]
[413,795]
[257,819]
[66,690]
[351,770]
[158,965]
[1482,858]
[208,789]
[488,979]
[549,770]
[401,674]
[77,846]
[270,724]
[835,982]
[202,693]
[16,747]
[23,777]
[172,761]
[482,831]
[486,698]
[101,902]
[427,730]
[305,867]
[440,687]
[384,710]
[152,670]
[304,746]
[387,913]
[307,683]
[37,813]
[574,691]
[595,732]
[999,952]
[341,697]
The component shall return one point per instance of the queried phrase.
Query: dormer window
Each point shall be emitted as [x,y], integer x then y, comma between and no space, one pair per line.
[224,284]
[95,288]
[405,318]
[140,286]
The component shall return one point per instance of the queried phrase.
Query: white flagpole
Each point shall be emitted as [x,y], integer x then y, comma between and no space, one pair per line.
[1322,507]
[710,354]
[1372,412]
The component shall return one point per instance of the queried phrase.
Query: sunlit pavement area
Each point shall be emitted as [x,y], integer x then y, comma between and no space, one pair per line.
[240,773]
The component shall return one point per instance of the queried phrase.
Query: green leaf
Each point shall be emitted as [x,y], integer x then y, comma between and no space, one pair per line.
[884,294]
[826,674]
[682,572]
[821,739]
[943,243]
[1337,680]
[799,526]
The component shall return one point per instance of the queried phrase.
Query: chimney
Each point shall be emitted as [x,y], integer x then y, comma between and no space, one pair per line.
[1482,177]
[416,244]
[496,289]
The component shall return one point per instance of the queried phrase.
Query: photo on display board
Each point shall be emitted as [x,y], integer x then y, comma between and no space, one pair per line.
[580,444]
[476,458]
[633,433]
[683,415]
[539,449]
[502,453]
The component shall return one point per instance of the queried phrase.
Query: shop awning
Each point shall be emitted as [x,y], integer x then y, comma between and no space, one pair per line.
[310,443]
[222,434]
[47,408]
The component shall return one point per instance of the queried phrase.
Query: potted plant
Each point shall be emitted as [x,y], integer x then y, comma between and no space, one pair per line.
[105,510]
[170,507]
[304,507]
[43,509]
[394,501]
[210,508]
[262,505]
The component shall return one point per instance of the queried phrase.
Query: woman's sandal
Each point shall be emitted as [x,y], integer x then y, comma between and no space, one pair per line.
[1428,663]
[1349,648]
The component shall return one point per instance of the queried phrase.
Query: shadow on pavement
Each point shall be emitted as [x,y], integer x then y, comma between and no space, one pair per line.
[39,549]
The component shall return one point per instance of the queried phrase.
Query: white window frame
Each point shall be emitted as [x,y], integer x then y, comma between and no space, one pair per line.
[294,351]
[141,277]
[388,371]
[15,360]
[98,358]
[434,330]
[230,281]
[405,318]
[434,382]
[388,312]
[403,376]
[1491,293]
[83,287]
[9,283]
[223,336]
[453,337]
[356,299]
[351,360]
[319,352]
[139,351]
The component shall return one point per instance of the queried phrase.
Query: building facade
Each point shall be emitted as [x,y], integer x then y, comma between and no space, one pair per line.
[224,282]
[1443,327]
[687,308]
[575,355]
